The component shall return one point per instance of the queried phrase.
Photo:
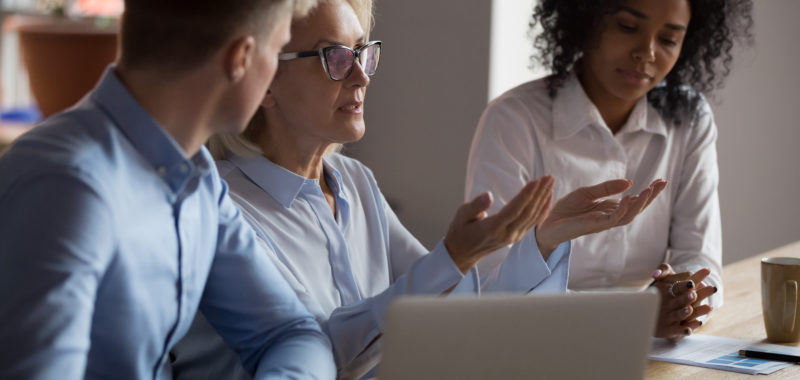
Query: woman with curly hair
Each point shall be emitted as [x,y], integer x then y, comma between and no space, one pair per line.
[625,100]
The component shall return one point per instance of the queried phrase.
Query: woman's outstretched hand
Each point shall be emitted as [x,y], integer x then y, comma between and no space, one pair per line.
[582,212]
[474,234]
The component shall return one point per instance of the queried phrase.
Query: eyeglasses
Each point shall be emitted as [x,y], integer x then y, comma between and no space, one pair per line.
[338,60]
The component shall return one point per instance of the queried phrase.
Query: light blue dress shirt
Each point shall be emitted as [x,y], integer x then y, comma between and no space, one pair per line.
[347,268]
[110,240]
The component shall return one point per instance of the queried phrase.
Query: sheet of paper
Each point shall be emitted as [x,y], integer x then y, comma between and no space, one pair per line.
[714,352]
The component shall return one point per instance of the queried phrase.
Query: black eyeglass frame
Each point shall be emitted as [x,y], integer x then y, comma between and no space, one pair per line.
[322,53]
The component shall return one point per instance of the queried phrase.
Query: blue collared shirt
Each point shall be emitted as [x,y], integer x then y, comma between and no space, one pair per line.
[110,241]
[348,266]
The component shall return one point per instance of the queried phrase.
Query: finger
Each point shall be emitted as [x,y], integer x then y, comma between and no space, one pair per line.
[527,218]
[677,315]
[681,301]
[543,205]
[657,186]
[606,206]
[540,212]
[596,221]
[474,209]
[513,208]
[545,210]
[699,311]
[692,324]
[543,201]
[636,207]
[683,288]
[676,332]
[700,275]
[704,293]
[697,277]
[501,227]
[669,279]
[606,220]
[663,270]
[607,188]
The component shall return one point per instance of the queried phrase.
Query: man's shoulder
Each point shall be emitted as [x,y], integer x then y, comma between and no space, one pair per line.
[80,142]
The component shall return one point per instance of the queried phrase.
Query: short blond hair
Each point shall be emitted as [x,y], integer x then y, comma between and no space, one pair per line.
[176,35]
[222,146]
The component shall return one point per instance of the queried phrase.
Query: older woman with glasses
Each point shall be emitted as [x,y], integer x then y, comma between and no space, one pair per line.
[335,238]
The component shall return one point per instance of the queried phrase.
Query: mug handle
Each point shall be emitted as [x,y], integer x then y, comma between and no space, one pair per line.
[789,306]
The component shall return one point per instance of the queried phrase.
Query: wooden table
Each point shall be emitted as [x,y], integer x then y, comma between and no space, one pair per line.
[739,317]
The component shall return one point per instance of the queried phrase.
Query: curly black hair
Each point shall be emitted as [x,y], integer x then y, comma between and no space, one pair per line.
[568,26]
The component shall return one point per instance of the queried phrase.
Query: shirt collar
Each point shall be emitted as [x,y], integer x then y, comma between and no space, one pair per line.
[155,145]
[280,183]
[573,111]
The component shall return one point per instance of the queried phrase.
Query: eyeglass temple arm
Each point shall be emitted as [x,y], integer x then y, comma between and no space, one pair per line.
[302,54]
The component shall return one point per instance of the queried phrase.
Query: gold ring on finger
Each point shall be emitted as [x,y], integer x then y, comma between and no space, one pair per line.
[671,289]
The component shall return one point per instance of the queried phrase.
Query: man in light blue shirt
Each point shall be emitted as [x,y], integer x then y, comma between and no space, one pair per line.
[116,227]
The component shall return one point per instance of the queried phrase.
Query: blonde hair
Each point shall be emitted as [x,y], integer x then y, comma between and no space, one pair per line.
[244,144]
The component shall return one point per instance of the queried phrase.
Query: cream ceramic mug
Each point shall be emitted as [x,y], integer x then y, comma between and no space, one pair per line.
[780,277]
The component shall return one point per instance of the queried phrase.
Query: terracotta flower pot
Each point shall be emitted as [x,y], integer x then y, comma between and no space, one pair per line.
[64,57]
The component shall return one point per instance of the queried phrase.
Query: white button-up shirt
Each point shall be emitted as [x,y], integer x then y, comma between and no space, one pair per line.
[525,134]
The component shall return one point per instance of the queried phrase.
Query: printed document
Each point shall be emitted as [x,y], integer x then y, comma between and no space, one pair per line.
[715,352]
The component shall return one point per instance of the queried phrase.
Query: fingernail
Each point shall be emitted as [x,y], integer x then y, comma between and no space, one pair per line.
[701,323]
[686,310]
[715,289]
[692,296]
[656,273]
[686,332]
[690,284]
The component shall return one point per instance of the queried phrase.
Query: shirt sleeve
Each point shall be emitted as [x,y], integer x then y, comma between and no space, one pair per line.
[57,241]
[502,160]
[253,308]
[355,329]
[695,239]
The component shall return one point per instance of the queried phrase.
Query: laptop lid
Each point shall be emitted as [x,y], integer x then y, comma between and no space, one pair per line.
[578,335]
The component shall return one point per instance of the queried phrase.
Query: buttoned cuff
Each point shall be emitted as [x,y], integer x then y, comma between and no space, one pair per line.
[524,269]
[431,274]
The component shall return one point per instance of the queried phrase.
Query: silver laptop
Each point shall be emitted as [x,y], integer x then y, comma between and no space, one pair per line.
[596,335]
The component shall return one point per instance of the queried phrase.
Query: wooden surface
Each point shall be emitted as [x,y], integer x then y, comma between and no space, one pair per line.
[739,317]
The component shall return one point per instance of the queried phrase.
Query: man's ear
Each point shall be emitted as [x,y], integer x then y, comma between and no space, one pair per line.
[239,57]
[269,100]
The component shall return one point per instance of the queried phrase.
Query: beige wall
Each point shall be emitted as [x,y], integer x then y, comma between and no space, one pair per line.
[423,106]
[759,157]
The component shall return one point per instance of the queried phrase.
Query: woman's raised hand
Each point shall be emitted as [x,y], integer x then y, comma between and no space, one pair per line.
[473,233]
[584,211]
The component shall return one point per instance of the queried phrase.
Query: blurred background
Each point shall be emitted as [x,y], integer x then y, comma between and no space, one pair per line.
[442,63]
[51,53]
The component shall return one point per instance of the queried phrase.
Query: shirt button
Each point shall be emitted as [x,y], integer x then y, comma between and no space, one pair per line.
[183,168]
[161,171]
